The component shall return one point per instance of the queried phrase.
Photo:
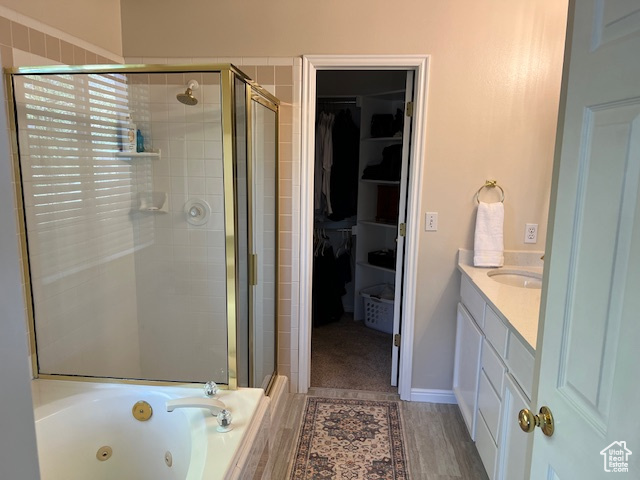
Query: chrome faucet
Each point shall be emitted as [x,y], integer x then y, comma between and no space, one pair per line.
[216,407]
[213,405]
[211,389]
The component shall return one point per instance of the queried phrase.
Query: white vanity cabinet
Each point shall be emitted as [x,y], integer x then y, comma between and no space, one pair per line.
[491,356]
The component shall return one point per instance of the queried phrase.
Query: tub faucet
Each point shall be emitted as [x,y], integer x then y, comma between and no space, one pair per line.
[213,405]
[216,407]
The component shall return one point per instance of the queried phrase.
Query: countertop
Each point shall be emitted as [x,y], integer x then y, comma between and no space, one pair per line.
[518,307]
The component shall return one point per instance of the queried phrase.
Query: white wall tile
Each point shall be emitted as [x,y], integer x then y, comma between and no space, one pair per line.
[195,149]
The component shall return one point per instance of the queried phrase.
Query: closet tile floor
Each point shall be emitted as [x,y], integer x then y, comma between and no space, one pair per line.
[347,354]
[436,439]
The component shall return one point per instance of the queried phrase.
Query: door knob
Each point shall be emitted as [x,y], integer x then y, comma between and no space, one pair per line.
[529,421]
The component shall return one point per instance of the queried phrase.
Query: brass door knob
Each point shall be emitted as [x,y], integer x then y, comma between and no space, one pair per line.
[529,421]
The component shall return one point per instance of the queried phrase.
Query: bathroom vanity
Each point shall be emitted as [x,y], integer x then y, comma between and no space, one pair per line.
[497,322]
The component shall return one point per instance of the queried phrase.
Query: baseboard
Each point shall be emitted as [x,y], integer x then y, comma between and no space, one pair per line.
[432,396]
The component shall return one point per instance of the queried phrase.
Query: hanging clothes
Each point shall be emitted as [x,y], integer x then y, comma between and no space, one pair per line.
[344,260]
[323,163]
[344,173]
[327,290]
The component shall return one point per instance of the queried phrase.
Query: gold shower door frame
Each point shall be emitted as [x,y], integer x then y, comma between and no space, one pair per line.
[228,72]
[258,96]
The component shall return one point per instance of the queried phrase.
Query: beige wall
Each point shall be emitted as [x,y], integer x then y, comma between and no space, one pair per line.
[94,21]
[494,86]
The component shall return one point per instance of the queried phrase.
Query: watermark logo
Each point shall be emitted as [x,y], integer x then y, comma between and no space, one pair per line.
[616,457]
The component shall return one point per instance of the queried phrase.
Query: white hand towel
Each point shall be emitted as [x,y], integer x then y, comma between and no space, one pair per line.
[489,238]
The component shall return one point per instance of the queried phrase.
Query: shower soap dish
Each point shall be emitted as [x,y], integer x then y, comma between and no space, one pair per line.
[155,202]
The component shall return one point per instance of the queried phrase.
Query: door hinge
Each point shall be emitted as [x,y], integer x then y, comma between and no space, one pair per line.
[253,269]
[409,109]
[396,340]
[402,229]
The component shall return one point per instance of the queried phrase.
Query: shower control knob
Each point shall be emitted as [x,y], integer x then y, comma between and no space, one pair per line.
[224,421]
[197,211]
[210,389]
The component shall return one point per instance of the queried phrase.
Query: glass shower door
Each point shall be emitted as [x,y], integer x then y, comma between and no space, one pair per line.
[126,248]
[264,156]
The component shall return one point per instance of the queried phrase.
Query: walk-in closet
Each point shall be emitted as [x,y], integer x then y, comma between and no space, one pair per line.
[362,136]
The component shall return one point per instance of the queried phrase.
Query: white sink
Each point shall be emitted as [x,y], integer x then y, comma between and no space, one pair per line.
[516,278]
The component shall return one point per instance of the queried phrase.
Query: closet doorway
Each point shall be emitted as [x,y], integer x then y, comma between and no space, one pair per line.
[357,279]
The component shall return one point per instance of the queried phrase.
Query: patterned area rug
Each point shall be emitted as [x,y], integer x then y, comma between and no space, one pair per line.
[348,439]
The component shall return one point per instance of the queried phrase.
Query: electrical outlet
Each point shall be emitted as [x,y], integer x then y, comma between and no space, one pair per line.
[431,221]
[531,233]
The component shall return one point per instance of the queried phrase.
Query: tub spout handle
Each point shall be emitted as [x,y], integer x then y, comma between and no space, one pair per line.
[213,405]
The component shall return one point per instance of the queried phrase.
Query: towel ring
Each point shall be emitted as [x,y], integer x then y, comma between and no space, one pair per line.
[490,184]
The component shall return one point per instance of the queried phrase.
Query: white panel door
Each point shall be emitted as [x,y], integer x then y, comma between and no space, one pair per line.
[402,219]
[588,372]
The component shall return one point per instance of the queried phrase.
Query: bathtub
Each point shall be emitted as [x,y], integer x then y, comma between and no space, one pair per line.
[87,430]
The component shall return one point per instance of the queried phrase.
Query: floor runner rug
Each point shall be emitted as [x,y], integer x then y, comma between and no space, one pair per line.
[348,439]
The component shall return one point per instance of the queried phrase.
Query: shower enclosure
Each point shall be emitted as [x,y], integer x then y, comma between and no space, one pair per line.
[150,233]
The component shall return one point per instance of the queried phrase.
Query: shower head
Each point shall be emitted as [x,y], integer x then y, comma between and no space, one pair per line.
[187,97]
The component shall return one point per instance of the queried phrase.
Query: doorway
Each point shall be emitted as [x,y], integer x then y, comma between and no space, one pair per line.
[401,280]
[361,155]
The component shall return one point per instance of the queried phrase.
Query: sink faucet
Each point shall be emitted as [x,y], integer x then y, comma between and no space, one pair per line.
[213,405]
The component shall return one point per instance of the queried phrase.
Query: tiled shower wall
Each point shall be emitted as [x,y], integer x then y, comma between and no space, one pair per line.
[24,41]
[181,268]
[281,76]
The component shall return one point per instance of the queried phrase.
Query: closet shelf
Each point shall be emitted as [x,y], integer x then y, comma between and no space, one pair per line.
[390,95]
[380,182]
[376,267]
[382,139]
[378,224]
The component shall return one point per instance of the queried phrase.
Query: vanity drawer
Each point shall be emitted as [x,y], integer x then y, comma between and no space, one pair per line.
[495,331]
[489,405]
[520,362]
[472,299]
[493,367]
[486,448]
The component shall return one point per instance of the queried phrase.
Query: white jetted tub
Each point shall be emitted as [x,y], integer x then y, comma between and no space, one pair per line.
[87,430]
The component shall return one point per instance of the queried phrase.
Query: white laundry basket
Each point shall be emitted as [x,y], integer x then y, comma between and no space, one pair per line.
[378,307]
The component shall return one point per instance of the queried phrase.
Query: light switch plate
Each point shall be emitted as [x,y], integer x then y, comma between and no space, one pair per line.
[431,222]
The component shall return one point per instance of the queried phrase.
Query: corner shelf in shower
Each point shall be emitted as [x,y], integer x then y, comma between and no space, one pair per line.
[132,155]
[153,202]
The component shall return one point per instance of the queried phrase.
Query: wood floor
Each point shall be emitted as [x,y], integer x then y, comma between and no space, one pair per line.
[437,443]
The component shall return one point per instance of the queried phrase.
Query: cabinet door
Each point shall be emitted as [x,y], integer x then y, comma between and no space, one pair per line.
[467,367]
[513,443]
